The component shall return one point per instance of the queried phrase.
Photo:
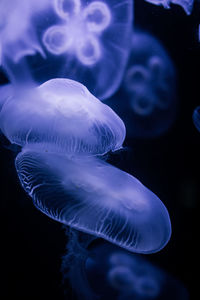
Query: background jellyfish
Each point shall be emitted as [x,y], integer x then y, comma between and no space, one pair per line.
[147,99]
[187,5]
[196,118]
[113,273]
[87,41]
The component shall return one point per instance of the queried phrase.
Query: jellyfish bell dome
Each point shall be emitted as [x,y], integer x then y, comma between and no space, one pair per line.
[61,115]
[88,194]
[147,100]
[87,41]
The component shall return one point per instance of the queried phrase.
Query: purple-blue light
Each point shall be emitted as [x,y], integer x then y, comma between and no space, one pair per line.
[87,41]
[147,99]
[61,115]
[90,195]
[187,5]
[126,276]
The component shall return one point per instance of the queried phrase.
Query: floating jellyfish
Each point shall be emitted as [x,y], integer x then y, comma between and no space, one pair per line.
[87,41]
[146,101]
[61,116]
[187,5]
[196,118]
[129,276]
[88,194]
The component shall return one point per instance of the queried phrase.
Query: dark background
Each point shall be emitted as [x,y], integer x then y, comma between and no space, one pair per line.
[33,244]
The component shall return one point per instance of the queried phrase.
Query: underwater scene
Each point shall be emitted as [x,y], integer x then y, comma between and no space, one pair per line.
[99,149]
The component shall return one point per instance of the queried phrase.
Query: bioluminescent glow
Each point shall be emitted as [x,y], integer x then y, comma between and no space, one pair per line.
[92,196]
[61,115]
[196,118]
[148,105]
[126,276]
[87,41]
[187,5]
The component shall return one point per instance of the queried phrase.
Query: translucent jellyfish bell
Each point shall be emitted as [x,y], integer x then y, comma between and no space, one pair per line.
[61,116]
[128,276]
[87,41]
[147,98]
[92,196]
[187,5]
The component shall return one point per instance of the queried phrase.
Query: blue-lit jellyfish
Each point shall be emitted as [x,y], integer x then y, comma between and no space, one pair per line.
[196,118]
[87,41]
[88,194]
[187,5]
[113,273]
[61,115]
[147,98]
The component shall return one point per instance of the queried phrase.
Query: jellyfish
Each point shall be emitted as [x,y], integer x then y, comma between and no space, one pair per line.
[196,118]
[187,5]
[61,115]
[87,41]
[90,195]
[127,276]
[146,101]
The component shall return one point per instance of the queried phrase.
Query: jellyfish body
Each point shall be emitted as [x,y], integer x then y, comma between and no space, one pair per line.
[126,276]
[92,196]
[187,5]
[147,98]
[87,41]
[61,116]
[196,118]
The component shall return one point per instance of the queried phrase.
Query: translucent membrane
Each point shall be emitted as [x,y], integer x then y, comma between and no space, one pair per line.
[187,5]
[94,197]
[62,116]
[129,276]
[147,100]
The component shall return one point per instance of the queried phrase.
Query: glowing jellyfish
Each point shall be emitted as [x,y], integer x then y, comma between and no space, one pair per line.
[187,5]
[147,99]
[61,116]
[196,118]
[92,196]
[126,276]
[87,41]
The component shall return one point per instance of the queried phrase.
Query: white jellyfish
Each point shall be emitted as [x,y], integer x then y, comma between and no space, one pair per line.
[90,195]
[87,41]
[61,115]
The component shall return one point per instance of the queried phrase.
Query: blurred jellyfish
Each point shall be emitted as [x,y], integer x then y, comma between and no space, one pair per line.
[187,5]
[87,41]
[196,118]
[61,116]
[88,194]
[129,276]
[147,99]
